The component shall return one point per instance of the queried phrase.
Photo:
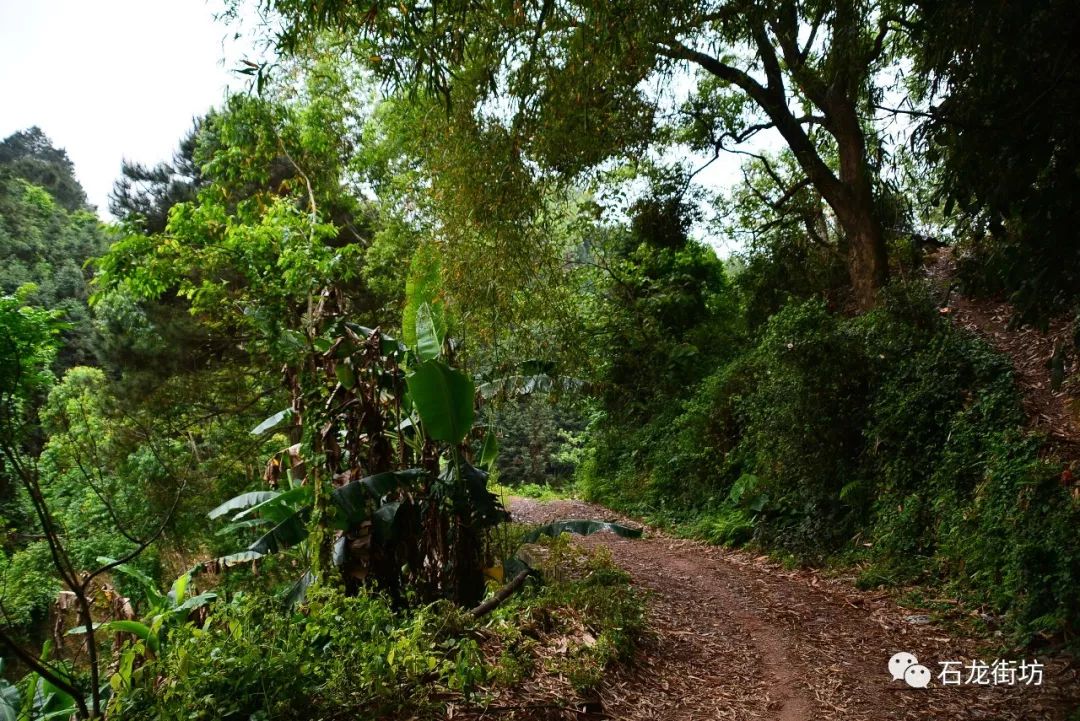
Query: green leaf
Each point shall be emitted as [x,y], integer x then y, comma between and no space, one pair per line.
[195,602]
[489,451]
[581,528]
[345,375]
[136,628]
[10,701]
[354,499]
[422,285]
[284,535]
[52,703]
[428,342]
[298,592]
[484,505]
[383,526]
[280,506]
[244,500]
[179,588]
[295,339]
[239,525]
[272,422]
[444,398]
[80,630]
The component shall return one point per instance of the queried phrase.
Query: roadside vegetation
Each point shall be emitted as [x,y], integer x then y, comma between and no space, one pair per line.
[257,435]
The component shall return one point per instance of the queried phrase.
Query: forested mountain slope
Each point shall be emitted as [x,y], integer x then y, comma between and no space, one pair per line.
[47,235]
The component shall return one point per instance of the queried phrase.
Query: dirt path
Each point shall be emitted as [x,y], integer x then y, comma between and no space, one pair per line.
[740,638]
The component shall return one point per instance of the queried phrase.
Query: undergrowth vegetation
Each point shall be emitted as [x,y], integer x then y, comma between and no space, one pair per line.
[359,657]
[892,439]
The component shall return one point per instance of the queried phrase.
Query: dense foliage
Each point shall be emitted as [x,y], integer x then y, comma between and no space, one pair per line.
[248,431]
[891,438]
[47,235]
[1004,133]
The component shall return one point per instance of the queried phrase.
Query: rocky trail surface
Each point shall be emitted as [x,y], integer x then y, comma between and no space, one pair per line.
[739,637]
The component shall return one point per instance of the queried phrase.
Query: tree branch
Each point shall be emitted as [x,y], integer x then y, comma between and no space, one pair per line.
[500,596]
[830,187]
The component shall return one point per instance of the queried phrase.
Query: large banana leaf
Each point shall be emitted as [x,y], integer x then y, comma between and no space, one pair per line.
[218,565]
[428,335]
[444,398]
[489,452]
[244,500]
[280,506]
[353,499]
[135,628]
[10,700]
[288,533]
[384,520]
[580,527]
[179,588]
[298,592]
[239,525]
[51,702]
[271,422]
[486,507]
[194,602]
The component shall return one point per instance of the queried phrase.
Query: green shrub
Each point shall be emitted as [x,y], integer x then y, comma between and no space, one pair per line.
[340,657]
[357,657]
[587,602]
[803,422]
[893,437]
[28,585]
[1014,547]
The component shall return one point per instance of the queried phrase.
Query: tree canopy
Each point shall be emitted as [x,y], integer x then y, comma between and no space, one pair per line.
[574,84]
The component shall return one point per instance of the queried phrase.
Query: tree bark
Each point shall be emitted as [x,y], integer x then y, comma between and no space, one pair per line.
[868,263]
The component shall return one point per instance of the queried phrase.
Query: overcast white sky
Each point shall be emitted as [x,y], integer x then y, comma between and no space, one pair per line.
[112,79]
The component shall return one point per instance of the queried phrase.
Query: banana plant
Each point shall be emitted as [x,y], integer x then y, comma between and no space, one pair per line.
[286,514]
[403,415]
[42,700]
[164,610]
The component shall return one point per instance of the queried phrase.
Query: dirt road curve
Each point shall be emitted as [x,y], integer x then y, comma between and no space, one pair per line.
[740,638]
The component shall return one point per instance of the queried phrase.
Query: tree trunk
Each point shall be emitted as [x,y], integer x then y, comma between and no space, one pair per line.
[851,195]
[868,262]
[868,265]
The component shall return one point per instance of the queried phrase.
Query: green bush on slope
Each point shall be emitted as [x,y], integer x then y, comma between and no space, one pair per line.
[891,437]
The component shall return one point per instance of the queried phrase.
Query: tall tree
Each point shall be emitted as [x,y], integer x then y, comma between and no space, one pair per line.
[568,80]
[145,195]
[47,234]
